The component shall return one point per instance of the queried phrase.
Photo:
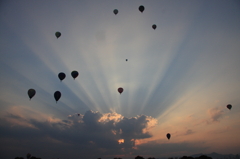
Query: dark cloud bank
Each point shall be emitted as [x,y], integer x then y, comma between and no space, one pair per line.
[92,135]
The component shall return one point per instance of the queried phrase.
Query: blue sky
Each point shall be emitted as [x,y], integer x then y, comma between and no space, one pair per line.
[178,78]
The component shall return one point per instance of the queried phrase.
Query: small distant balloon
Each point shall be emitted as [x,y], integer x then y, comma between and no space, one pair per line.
[58,34]
[168,136]
[120,90]
[78,114]
[74,74]
[115,11]
[61,76]
[229,106]
[126,59]
[57,95]
[154,26]
[141,8]
[31,93]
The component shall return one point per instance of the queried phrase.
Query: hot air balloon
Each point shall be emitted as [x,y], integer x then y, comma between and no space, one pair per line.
[74,74]
[126,59]
[57,95]
[168,136]
[229,106]
[78,114]
[120,90]
[61,76]
[58,34]
[141,8]
[154,26]
[31,93]
[115,11]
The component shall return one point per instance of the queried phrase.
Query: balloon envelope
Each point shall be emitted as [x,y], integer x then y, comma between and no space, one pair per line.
[168,136]
[57,95]
[58,34]
[31,93]
[120,90]
[141,8]
[229,106]
[115,11]
[61,76]
[154,26]
[74,74]
[126,59]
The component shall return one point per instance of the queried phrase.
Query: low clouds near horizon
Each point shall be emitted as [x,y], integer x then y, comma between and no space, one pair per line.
[101,133]
[96,134]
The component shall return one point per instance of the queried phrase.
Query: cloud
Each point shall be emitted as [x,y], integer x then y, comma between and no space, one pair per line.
[215,114]
[95,131]
[189,131]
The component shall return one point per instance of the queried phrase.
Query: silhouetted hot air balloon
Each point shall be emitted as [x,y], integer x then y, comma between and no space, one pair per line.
[154,26]
[78,114]
[229,106]
[57,95]
[115,11]
[168,136]
[58,34]
[61,76]
[31,93]
[120,90]
[74,74]
[141,8]
[126,59]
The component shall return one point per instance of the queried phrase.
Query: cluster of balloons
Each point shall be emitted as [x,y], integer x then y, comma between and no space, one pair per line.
[154,26]
[141,9]
[62,75]
[57,94]
[74,74]
[32,92]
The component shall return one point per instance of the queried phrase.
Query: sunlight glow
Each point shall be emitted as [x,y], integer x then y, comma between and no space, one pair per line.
[121,141]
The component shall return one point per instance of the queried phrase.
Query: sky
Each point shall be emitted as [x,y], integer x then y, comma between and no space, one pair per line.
[177,79]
